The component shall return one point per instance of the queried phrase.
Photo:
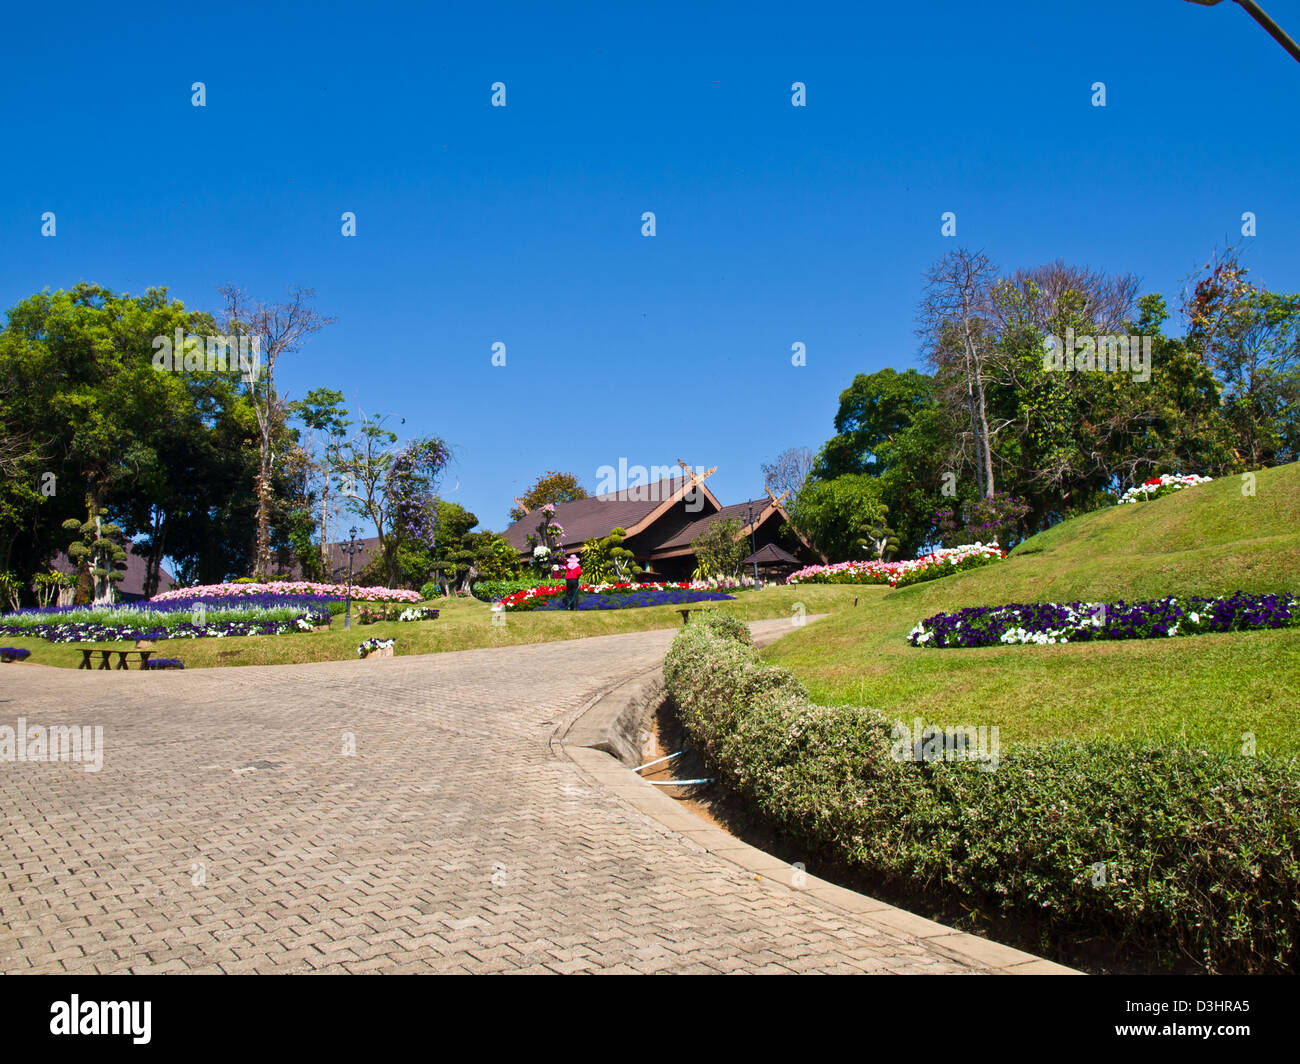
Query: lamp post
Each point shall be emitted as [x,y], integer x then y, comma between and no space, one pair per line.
[1261,16]
[753,549]
[351,548]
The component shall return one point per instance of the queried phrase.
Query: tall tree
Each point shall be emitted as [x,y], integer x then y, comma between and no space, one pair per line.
[552,487]
[954,326]
[325,419]
[788,470]
[278,329]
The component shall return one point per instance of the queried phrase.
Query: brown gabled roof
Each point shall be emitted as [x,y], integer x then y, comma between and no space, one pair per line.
[633,510]
[771,554]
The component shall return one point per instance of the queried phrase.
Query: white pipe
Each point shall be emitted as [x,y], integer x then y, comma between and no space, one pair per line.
[659,760]
[675,783]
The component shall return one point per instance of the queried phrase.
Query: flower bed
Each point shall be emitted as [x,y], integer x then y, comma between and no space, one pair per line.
[375,646]
[1165,484]
[286,589]
[610,596]
[8,654]
[164,663]
[1080,622]
[422,613]
[942,562]
[181,618]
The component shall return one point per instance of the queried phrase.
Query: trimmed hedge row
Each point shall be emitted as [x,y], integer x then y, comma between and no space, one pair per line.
[1187,854]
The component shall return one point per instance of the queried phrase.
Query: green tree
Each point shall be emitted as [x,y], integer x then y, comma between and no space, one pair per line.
[552,487]
[607,561]
[98,550]
[832,513]
[720,548]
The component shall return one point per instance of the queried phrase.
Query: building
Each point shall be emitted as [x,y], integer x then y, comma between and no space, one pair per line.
[660,521]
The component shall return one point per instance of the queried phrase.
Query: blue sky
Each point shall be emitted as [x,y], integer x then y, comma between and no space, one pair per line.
[522,224]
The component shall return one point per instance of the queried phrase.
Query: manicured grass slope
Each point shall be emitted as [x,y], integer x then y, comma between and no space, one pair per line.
[464,624]
[1207,540]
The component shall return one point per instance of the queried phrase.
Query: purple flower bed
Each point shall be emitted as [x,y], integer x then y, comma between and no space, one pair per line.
[266,614]
[1081,622]
[666,597]
[14,653]
[164,663]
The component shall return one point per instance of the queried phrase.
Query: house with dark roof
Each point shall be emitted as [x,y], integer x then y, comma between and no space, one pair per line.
[660,521]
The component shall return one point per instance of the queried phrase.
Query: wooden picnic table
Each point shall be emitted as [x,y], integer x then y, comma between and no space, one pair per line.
[88,652]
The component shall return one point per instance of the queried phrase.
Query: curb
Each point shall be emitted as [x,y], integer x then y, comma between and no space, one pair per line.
[603,742]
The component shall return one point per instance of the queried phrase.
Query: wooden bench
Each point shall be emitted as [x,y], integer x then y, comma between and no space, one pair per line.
[686,615]
[122,656]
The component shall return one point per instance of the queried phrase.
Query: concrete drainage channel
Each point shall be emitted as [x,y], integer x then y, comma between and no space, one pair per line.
[609,740]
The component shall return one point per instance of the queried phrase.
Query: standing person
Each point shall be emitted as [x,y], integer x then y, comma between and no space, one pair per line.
[571,575]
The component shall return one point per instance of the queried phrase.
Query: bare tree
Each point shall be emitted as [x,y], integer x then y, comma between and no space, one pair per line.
[1057,294]
[788,470]
[953,323]
[277,329]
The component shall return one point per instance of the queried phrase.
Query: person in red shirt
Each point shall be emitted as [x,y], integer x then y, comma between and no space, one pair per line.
[572,572]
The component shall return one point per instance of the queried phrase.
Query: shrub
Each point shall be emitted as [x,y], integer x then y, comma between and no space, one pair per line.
[495,590]
[1184,853]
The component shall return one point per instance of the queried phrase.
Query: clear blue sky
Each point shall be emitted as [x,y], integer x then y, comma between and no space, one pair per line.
[523,224]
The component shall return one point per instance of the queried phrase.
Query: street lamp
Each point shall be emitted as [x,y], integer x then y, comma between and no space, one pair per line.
[351,550]
[1261,16]
[753,549]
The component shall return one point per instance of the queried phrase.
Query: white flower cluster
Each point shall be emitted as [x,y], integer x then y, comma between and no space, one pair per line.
[1157,484]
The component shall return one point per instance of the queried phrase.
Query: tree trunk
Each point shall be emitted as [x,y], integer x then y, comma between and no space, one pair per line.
[263,485]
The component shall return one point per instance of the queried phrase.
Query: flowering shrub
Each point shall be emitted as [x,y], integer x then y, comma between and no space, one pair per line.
[942,562]
[1082,622]
[282,589]
[14,653]
[371,645]
[182,618]
[1165,484]
[610,596]
[1201,850]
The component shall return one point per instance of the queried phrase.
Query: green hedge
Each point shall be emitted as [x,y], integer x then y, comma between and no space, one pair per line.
[1200,850]
[492,590]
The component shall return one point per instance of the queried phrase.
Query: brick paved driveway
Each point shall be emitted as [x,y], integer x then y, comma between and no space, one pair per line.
[228,831]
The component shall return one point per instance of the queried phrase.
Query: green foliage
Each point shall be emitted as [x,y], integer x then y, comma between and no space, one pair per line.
[494,590]
[832,513]
[1199,851]
[551,487]
[607,561]
[720,549]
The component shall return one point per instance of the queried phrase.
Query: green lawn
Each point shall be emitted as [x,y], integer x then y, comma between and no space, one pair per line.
[1211,689]
[464,624]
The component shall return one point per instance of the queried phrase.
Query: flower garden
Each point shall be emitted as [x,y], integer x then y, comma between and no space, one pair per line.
[1046,623]
[611,596]
[1157,487]
[942,562]
[287,589]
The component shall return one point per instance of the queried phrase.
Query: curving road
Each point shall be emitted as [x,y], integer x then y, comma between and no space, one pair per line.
[230,831]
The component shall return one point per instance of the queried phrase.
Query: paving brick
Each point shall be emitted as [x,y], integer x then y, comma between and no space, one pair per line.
[458,839]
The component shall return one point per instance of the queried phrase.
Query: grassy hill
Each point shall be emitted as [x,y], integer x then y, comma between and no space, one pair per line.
[1209,540]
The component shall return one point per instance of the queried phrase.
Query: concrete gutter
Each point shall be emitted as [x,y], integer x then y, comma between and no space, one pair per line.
[606,742]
